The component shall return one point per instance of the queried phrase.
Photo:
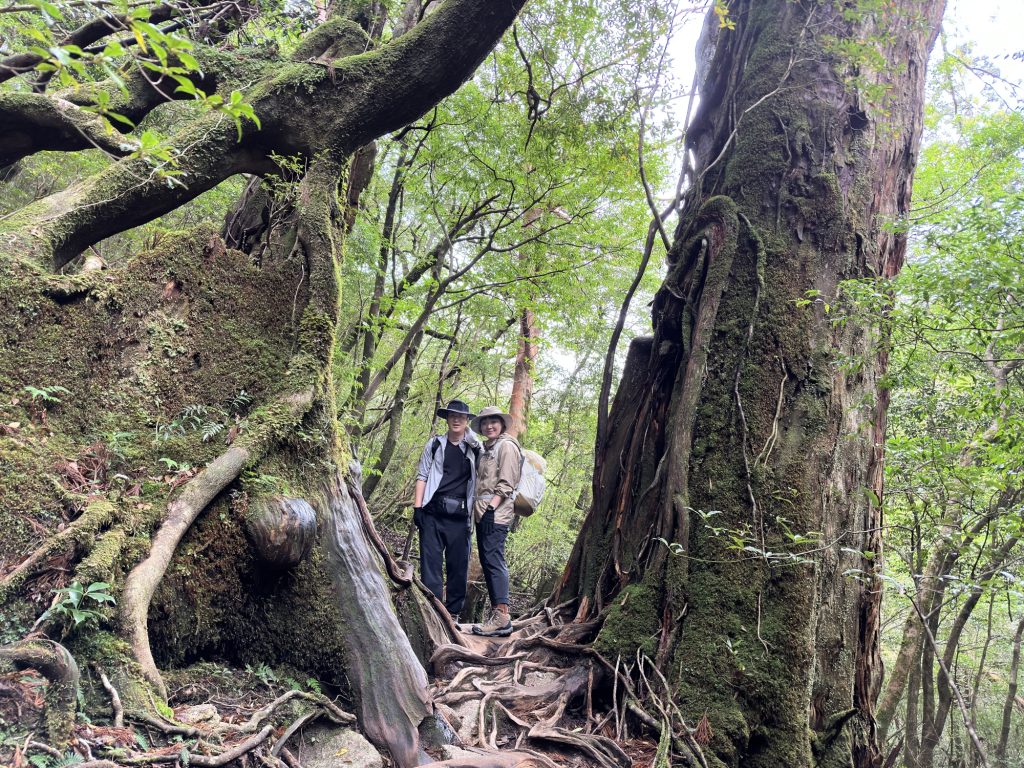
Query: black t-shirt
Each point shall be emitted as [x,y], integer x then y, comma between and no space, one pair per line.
[456,472]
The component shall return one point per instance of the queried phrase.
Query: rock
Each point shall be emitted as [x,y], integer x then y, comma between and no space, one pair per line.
[467,712]
[324,746]
[200,713]
[450,715]
[451,752]
[538,679]
[439,729]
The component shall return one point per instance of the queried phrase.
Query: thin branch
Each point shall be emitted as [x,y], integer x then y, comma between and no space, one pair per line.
[964,711]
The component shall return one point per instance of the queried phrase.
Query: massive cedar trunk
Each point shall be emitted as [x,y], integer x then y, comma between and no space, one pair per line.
[739,485]
[189,323]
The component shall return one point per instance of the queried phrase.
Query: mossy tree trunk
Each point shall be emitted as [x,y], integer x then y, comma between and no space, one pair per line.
[191,324]
[741,478]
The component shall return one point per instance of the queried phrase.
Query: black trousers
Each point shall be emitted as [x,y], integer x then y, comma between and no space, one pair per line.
[445,541]
[491,547]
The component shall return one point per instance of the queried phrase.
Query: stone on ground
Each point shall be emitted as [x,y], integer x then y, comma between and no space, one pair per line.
[324,746]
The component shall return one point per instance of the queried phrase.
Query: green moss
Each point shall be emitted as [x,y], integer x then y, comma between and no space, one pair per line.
[219,601]
[186,323]
[101,563]
[336,37]
[293,77]
[632,624]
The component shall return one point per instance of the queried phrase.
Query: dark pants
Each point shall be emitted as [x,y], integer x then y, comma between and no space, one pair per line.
[491,547]
[447,540]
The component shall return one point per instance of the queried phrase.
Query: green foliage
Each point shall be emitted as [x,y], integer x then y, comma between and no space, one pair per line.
[953,326]
[208,421]
[46,395]
[157,53]
[558,222]
[44,760]
[79,604]
[174,466]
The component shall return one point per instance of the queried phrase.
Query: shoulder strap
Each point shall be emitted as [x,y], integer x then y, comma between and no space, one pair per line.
[522,455]
[437,446]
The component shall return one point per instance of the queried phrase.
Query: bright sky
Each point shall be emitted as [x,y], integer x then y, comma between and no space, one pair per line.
[994,28]
[994,24]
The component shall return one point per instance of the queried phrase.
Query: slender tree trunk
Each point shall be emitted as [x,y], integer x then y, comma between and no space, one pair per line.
[733,422]
[912,738]
[387,448]
[943,556]
[522,377]
[1011,699]
[931,737]
[928,723]
[980,672]
[371,330]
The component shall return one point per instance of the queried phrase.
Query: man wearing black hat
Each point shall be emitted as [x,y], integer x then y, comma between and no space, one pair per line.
[443,509]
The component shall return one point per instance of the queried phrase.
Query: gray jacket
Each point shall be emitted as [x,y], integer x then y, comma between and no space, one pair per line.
[431,466]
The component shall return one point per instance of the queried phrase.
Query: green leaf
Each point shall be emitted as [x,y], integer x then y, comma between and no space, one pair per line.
[75,593]
[188,60]
[113,49]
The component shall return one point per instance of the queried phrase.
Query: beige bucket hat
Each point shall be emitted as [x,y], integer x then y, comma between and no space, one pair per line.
[490,411]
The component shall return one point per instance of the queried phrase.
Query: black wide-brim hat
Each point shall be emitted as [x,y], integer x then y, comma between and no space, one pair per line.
[455,406]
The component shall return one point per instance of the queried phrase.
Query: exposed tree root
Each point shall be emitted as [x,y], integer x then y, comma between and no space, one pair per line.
[115,698]
[546,686]
[216,743]
[54,662]
[502,760]
[391,685]
[145,577]
[330,709]
[397,574]
[235,752]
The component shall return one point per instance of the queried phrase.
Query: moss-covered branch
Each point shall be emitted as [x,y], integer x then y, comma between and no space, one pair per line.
[32,122]
[87,34]
[304,109]
[79,536]
[142,91]
[57,228]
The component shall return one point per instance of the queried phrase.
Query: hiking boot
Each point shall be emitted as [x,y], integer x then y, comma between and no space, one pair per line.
[499,625]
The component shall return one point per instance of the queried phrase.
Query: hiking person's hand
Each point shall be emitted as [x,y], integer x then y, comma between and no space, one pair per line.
[487,521]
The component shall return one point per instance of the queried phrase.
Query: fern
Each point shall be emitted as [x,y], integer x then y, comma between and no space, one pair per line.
[47,394]
[211,429]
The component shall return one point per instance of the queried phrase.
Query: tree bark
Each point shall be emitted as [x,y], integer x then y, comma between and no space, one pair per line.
[734,423]
[522,377]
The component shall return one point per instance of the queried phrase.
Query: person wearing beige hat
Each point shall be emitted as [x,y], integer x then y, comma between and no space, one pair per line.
[498,469]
